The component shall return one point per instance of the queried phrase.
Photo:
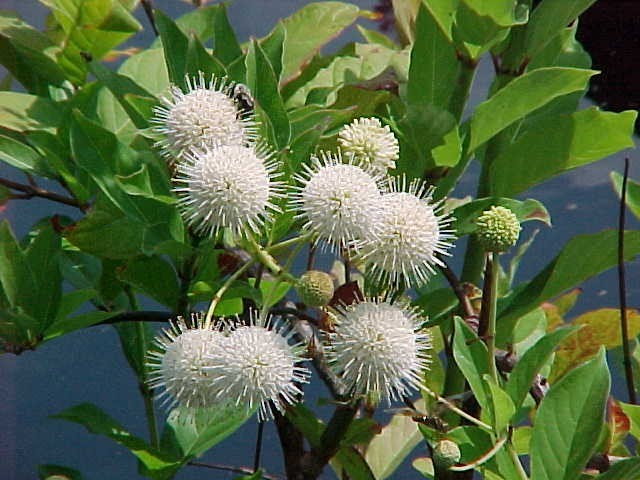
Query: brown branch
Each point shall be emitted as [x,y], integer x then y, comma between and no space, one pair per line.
[231,468]
[458,289]
[32,190]
[628,371]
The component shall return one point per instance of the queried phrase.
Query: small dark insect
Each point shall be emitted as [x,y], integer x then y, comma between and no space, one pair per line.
[242,96]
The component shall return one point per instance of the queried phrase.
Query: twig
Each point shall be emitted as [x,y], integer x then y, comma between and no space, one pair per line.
[32,190]
[258,451]
[628,372]
[231,468]
[147,6]
[459,291]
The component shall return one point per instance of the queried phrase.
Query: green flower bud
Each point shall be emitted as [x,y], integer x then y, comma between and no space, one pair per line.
[446,453]
[315,288]
[498,229]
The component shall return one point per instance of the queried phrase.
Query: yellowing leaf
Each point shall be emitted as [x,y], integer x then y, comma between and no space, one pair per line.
[599,327]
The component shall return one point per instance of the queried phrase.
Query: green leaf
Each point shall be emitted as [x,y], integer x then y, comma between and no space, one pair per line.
[149,70]
[77,322]
[309,29]
[471,355]
[226,47]
[390,447]
[175,45]
[473,442]
[502,406]
[99,423]
[92,28]
[548,19]
[199,61]
[521,97]
[582,257]
[559,143]
[28,55]
[633,192]
[626,469]
[136,340]
[467,214]
[568,421]
[531,362]
[19,155]
[154,277]
[207,428]
[273,46]
[200,21]
[373,36]
[22,112]
[261,80]
[125,90]
[47,471]
[434,64]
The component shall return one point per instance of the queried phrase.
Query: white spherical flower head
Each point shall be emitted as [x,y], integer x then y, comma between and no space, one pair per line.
[411,236]
[178,364]
[378,349]
[229,186]
[256,366]
[370,143]
[203,117]
[338,200]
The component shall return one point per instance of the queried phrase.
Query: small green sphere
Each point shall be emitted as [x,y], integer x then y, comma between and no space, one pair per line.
[498,229]
[446,453]
[315,288]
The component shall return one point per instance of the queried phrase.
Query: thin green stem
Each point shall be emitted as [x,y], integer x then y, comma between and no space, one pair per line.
[488,313]
[264,257]
[457,410]
[145,391]
[516,461]
[221,291]
[288,243]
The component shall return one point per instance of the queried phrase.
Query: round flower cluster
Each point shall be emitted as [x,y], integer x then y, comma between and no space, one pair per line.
[377,349]
[231,363]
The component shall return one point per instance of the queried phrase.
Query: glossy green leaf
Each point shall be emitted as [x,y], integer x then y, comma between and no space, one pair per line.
[473,442]
[124,90]
[175,45]
[22,112]
[226,47]
[154,277]
[76,322]
[200,61]
[582,257]
[19,155]
[568,421]
[390,448]
[466,215]
[434,65]
[502,406]
[28,55]
[273,46]
[149,70]
[200,21]
[522,96]
[632,195]
[262,81]
[311,27]
[483,24]
[98,422]
[207,428]
[559,143]
[530,363]
[135,340]
[548,19]
[471,356]
[90,28]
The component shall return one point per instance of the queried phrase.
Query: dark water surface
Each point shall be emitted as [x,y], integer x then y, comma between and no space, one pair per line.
[87,366]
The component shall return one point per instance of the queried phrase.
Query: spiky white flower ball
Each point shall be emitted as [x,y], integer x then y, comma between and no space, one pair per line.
[337,200]
[256,366]
[378,349]
[178,364]
[410,236]
[370,143]
[229,186]
[204,116]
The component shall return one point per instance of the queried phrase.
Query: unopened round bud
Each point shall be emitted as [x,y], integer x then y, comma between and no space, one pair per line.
[315,288]
[498,229]
[446,453]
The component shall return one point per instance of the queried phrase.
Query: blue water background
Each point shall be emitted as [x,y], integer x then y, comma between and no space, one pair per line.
[87,366]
